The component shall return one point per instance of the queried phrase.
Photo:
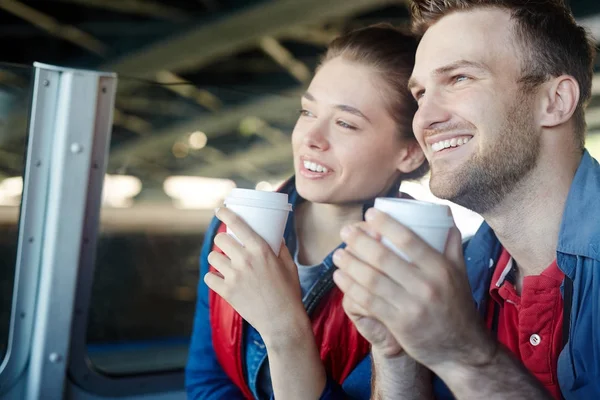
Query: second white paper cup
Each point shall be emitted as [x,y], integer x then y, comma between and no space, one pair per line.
[265,212]
[432,222]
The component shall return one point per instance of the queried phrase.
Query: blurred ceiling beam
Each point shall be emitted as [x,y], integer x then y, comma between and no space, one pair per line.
[241,30]
[52,26]
[151,105]
[312,35]
[188,90]
[273,109]
[258,156]
[284,58]
[138,7]
[85,40]
[592,24]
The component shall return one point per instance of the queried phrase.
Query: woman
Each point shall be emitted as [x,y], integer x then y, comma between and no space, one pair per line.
[274,325]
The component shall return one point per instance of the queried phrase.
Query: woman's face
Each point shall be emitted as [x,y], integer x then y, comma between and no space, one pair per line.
[346,145]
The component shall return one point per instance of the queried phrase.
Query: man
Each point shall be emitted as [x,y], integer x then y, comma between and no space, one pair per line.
[511,78]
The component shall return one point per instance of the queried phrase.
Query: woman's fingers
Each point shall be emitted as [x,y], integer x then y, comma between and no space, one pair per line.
[242,230]
[221,263]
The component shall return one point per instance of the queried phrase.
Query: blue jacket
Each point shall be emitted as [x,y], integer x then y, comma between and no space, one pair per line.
[578,256]
[206,380]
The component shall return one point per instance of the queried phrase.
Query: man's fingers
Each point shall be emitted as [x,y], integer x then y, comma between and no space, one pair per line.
[416,249]
[352,309]
[371,303]
[362,248]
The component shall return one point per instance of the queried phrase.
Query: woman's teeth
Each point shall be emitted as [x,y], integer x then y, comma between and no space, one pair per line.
[454,142]
[314,167]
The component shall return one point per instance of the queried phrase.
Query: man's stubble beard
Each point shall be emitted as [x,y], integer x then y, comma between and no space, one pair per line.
[485,180]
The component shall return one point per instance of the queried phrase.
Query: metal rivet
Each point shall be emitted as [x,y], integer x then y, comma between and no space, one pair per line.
[31,239]
[535,339]
[76,148]
[55,358]
[104,90]
[95,166]
[38,163]
[46,82]
[22,315]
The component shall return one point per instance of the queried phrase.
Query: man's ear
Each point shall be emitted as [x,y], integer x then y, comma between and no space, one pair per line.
[559,99]
[411,158]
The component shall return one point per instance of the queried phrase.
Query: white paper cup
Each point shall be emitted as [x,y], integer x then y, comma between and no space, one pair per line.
[265,212]
[432,222]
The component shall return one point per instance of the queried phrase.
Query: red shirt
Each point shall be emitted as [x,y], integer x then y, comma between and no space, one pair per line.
[529,325]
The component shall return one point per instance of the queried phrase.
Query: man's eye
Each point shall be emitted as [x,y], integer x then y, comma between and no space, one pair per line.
[461,78]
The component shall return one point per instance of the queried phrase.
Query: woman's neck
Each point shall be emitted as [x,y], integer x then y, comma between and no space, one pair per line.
[318,228]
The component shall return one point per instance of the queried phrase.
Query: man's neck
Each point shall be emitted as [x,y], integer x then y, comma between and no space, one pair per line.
[318,228]
[528,222]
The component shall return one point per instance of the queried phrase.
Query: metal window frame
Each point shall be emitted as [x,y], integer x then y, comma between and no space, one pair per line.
[81,370]
[79,96]
[31,225]
[68,140]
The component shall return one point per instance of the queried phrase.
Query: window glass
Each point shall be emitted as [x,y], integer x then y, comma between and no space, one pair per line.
[175,152]
[15,101]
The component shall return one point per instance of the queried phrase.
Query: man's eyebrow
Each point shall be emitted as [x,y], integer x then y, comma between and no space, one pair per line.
[352,110]
[446,69]
[460,64]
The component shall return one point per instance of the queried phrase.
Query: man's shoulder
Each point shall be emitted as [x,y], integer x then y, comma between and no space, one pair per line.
[580,228]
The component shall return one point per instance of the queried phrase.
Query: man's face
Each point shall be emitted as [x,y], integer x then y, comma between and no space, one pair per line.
[475,123]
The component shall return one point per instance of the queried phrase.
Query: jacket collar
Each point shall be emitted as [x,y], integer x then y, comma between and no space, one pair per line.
[580,227]
[295,200]
[579,234]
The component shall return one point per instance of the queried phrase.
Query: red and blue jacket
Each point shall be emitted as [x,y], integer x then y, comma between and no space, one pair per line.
[226,353]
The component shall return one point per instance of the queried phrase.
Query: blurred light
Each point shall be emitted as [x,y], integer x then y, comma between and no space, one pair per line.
[197,192]
[592,143]
[180,150]
[251,125]
[466,220]
[198,140]
[10,191]
[265,186]
[268,186]
[119,190]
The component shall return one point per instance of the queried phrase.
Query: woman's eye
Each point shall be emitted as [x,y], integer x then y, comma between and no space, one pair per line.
[306,113]
[346,125]
[418,95]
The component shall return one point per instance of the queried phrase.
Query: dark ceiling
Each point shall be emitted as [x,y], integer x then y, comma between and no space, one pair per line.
[232,69]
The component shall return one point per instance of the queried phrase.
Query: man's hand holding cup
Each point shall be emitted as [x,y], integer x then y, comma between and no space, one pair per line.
[421,294]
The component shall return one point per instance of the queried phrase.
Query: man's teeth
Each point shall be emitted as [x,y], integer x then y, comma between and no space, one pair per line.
[454,142]
[314,167]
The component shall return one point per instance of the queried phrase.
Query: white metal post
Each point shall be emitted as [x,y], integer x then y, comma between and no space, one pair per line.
[82,98]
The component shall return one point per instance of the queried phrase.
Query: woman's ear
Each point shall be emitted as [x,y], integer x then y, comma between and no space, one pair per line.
[559,100]
[411,158]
